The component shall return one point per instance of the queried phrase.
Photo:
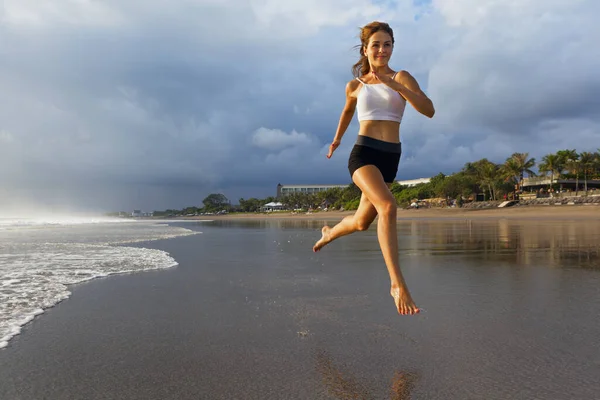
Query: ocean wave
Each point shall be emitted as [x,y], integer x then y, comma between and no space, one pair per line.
[38,265]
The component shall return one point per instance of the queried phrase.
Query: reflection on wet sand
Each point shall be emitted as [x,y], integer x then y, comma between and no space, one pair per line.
[508,314]
[551,243]
[271,223]
[402,385]
[344,386]
[564,243]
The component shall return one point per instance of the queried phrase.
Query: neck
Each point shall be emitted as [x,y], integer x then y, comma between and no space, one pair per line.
[381,70]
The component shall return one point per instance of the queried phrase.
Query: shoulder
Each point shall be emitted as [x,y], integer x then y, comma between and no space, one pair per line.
[352,86]
[405,78]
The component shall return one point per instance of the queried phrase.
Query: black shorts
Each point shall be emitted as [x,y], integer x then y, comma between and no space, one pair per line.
[384,155]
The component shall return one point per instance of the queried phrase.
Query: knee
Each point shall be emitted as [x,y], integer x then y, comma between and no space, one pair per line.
[388,208]
[362,225]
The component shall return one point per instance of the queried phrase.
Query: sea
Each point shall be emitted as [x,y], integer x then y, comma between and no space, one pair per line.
[41,257]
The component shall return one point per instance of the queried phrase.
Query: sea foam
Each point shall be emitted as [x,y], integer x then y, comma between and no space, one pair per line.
[39,259]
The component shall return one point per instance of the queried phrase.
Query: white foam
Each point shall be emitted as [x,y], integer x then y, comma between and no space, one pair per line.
[15,222]
[38,264]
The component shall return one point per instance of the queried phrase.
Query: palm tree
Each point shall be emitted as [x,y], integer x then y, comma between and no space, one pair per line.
[596,163]
[553,164]
[523,164]
[567,155]
[511,172]
[470,168]
[487,174]
[587,162]
[570,159]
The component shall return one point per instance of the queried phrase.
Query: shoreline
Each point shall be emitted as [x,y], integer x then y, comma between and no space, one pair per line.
[551,212]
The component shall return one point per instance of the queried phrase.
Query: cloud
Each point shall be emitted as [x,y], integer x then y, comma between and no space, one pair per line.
[6,137]
[155,104]
[310,16]
[276,139]
[41,13]
[514,65]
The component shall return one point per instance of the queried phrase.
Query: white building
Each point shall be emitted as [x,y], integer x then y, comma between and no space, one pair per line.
[283,190]
[413,182]
[139,213]
[272,206]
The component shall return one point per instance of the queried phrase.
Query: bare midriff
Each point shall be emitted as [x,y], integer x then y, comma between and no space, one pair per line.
[387,131]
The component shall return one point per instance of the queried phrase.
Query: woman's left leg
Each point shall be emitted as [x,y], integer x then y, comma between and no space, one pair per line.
[359,221]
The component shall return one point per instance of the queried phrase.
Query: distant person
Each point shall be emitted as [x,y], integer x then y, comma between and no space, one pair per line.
[379,95]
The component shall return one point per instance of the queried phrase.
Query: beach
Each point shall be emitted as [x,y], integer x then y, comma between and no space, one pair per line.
[509,300]
[535,212]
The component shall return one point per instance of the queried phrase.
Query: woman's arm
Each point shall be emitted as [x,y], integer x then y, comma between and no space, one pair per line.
[408,87]
[345,117]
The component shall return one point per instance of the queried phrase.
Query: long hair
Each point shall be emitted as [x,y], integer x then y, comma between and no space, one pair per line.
[362,67]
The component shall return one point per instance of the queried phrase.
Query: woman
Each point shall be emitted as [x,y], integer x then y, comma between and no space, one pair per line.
[379,95]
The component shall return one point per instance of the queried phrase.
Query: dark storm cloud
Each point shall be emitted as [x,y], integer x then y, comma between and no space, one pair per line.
[157,104]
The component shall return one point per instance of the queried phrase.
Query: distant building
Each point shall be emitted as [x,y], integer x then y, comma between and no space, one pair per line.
[413,182]
[542,182]
[283,190]
[272,206]
[139,213]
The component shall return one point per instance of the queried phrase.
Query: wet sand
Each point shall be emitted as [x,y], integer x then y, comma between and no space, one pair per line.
[251,313]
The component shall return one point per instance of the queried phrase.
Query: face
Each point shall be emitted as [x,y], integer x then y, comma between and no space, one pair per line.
[379,49]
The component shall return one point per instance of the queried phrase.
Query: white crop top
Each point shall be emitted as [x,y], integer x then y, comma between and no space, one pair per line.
[379,102]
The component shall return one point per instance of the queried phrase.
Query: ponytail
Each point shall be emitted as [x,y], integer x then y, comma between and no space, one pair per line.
[362,67]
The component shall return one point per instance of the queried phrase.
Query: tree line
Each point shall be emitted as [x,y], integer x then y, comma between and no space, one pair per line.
[490,180]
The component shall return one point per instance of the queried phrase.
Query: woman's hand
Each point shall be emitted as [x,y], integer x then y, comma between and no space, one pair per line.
[410,90]
[334,145]
[386,80]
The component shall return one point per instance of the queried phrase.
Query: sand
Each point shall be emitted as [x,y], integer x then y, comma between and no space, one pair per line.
[526,212]
[252,313]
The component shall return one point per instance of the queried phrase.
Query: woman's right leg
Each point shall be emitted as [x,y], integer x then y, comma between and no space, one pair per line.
[371,183]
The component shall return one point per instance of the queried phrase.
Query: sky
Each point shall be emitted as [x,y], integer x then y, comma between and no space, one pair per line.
[153,104]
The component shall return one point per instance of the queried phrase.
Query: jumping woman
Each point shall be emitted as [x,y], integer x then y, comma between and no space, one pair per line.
[379,95]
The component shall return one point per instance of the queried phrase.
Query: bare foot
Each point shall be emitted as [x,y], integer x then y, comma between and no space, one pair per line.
[404,302]
[324,239]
